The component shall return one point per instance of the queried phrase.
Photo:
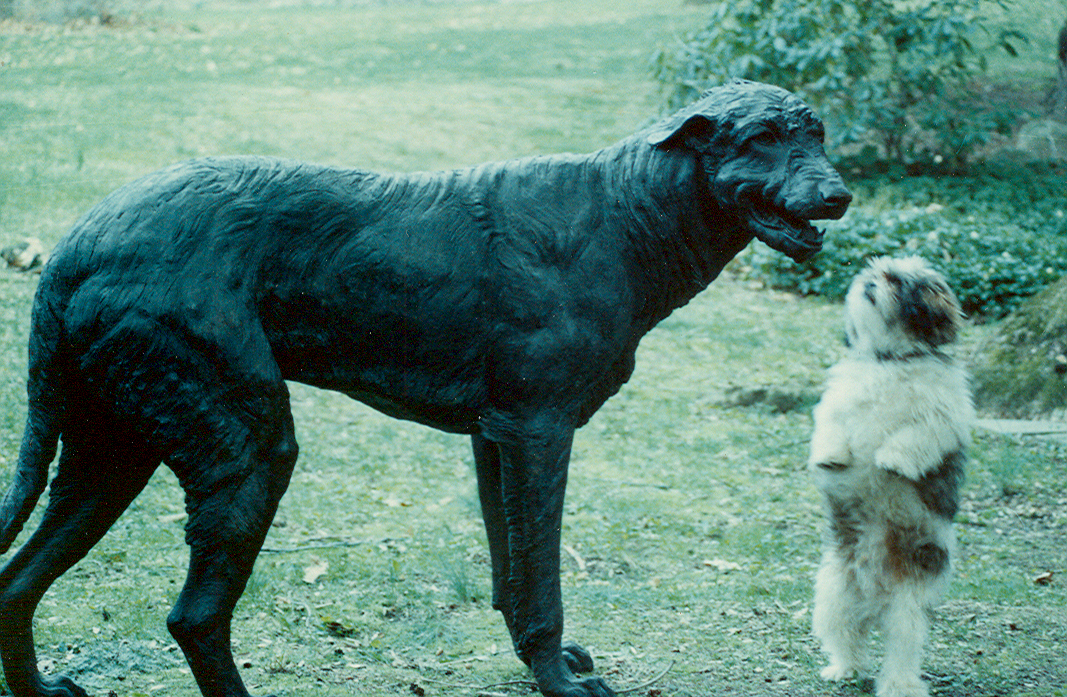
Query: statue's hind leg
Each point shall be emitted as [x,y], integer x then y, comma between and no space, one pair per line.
[217,409]
[99,473]
[228,521]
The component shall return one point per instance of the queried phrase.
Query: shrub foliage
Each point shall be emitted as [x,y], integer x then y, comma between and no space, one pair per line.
[1021,371]
[900,75]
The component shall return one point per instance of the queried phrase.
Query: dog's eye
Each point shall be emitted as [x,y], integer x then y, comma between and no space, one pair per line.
[869,291]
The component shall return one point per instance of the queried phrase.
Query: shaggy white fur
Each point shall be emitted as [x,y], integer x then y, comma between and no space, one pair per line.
[887,454]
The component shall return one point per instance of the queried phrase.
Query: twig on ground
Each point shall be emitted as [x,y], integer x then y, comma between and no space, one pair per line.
[647,683]
[323,545]
[482,690]
[311,548]
[625,482]
[509,683]
[485,690]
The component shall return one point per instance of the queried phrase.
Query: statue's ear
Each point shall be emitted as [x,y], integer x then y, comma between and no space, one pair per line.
[693,131]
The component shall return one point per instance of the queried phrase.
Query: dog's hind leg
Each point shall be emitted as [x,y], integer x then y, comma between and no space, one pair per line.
[905,626]
[839,619]
[100,472]
[490,493]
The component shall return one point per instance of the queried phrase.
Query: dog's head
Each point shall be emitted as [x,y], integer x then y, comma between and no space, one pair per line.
[762,149]
[900,307]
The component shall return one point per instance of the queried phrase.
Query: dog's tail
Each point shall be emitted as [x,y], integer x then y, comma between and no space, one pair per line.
[44,420]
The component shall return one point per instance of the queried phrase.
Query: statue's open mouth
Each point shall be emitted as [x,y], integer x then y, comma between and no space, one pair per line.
[791,235]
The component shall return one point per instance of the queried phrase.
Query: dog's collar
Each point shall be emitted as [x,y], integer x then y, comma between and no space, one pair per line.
[885,356]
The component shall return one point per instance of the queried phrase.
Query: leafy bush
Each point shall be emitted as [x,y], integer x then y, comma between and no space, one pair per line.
[900,74]
[1021,370]
[998,240]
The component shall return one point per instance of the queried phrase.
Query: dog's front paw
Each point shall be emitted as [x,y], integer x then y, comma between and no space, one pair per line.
[904,464]
[901,687]
[823,455]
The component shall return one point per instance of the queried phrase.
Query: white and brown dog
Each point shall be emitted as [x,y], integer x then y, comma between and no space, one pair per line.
[887,454]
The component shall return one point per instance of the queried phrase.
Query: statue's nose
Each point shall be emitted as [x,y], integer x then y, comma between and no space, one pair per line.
[835,197]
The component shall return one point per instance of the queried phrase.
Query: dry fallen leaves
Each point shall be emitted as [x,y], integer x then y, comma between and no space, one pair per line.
[317,568]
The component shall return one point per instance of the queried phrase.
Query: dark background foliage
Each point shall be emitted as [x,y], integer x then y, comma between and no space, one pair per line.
[904,76]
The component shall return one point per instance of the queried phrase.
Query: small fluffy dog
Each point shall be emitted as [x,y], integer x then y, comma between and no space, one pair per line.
[887,454]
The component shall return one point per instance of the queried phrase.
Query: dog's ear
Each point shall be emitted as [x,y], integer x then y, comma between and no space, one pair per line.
[693,131]
[929,310]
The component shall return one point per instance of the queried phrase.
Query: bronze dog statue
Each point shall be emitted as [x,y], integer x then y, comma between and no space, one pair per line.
[504,302]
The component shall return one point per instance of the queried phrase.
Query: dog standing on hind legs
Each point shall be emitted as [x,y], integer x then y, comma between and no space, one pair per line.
[887,454]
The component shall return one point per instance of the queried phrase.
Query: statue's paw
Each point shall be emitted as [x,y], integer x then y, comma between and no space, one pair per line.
[577,658]
[586,687]
[60,686]
[595,687]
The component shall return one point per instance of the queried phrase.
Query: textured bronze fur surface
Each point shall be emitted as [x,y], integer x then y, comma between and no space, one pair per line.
[504,302]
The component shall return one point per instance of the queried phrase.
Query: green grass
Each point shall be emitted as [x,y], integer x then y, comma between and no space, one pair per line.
[668,480]
[410,86]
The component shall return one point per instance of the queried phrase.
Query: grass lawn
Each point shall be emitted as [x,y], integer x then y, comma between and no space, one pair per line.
[691,533]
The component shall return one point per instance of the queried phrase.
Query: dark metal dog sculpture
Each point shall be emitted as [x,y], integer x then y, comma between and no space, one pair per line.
[504,302]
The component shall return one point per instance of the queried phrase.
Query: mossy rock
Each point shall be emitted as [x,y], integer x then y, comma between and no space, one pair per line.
[1022,371]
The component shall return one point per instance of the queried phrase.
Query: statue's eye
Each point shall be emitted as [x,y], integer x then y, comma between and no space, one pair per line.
[764,137]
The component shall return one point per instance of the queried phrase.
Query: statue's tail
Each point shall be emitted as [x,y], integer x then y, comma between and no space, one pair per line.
[43,422]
